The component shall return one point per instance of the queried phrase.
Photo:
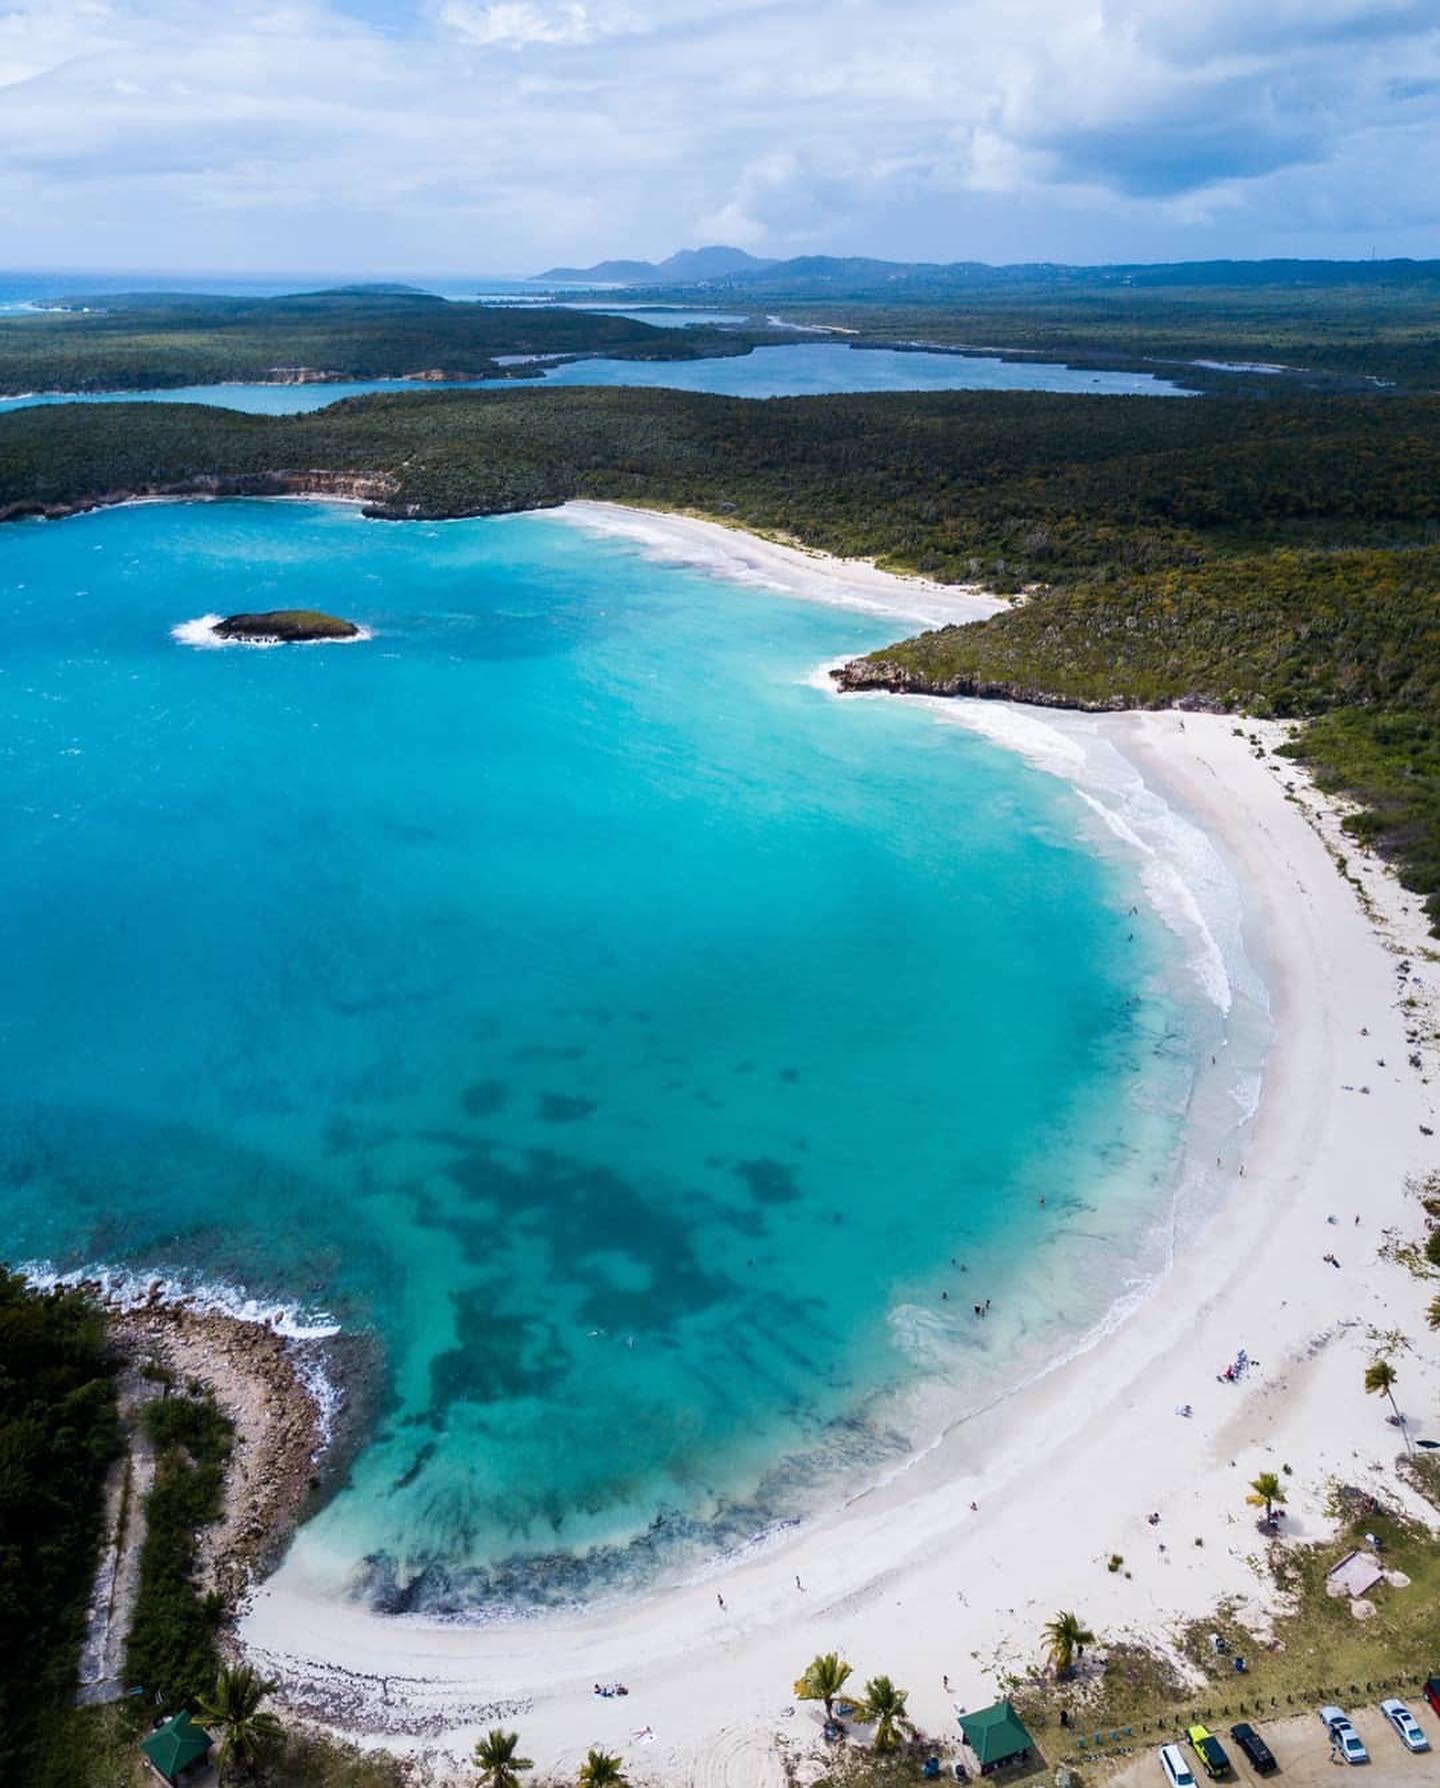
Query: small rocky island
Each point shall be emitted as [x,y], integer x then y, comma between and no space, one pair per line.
[285,626]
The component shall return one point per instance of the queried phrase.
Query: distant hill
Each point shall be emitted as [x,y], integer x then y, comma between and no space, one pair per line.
[686,268]
[856,275]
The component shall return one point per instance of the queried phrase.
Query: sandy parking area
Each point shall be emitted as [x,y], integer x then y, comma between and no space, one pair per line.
[1302,1750]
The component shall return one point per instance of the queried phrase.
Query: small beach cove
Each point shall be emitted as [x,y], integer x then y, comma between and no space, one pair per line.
[952,1568]
[466,1681]
[556,1112]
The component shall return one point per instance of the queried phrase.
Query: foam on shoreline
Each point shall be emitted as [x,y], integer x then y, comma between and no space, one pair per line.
[130,1288]
[954,1563]
[1019,1519]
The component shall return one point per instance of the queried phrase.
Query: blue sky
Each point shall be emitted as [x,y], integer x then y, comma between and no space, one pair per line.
[501,136]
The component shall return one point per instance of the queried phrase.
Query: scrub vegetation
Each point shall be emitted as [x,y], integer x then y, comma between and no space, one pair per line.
[152,340]
[1281,324]
[172,1653]
[1316,1652]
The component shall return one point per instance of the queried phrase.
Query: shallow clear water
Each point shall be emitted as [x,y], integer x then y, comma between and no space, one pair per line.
[794,370]
[558,982]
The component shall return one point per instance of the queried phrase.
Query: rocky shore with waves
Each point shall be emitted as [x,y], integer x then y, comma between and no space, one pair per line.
[299,1402]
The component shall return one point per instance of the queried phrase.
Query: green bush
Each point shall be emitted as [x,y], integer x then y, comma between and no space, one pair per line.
[171,1653]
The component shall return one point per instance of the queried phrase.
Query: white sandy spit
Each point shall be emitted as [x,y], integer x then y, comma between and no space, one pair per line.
[912,1579]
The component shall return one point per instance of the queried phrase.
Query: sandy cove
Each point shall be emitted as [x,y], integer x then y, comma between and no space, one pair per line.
[910,1579]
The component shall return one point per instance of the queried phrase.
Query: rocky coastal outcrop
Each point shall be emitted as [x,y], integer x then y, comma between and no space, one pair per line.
[281,626]
[301,375]
[898,678]
[375,490]
[281,1433]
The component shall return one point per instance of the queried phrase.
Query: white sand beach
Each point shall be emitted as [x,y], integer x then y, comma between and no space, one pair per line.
[953,1566]
[745,558]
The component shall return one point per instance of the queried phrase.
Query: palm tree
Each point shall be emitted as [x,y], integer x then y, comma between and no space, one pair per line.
[1381,1377]
[883,1707]
[1267,1492]
[494,1756]
[601,1770]
[1066,1640]
[823,1681]
[233,1710]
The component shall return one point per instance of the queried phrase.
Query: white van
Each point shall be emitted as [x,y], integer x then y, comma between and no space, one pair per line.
[1177,1770]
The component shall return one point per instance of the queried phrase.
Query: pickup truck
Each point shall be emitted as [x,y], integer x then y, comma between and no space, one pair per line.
[1261,1757]
[1210,1751]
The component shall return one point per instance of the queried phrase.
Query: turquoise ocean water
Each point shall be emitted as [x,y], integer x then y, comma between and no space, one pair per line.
[562,986]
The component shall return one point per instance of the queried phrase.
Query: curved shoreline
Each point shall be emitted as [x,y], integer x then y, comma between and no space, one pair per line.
[904,1576]
[907,1578]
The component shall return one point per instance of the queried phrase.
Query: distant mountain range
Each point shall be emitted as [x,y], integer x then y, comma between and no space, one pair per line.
[816,275]
[688,267]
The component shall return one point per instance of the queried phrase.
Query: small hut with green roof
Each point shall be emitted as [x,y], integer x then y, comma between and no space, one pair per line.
[177,1749]
[996,1736]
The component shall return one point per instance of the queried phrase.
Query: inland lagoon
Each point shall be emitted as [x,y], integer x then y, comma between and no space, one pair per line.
[792,369]
[660,1056]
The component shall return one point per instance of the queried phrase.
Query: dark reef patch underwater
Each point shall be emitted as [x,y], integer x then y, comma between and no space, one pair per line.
[630,1051]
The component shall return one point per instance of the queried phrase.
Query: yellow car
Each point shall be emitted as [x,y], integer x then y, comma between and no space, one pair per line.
[1210,1751]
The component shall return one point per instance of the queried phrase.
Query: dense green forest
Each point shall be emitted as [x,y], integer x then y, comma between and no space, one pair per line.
[1330,327]
[1008,488]
[58,1433]
[1281,633]
[157,341]
[1278,556]
[1328,335]
[1350,335]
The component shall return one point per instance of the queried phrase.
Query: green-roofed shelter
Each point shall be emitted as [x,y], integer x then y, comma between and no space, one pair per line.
[176,1746]
[996,1736]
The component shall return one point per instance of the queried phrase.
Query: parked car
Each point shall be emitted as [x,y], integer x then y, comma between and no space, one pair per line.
[1405,1723]
[1261,1757]
[1432,1692]
[1177,1770]
[1343,1735]
[1210,1751]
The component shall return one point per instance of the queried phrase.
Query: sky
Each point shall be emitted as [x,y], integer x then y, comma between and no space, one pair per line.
[499,137]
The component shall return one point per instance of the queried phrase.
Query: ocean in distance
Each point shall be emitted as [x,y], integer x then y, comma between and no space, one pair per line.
[563,986]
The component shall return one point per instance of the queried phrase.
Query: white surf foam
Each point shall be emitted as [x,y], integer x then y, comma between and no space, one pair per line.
[1183,875]
[200,632]
[124,1288]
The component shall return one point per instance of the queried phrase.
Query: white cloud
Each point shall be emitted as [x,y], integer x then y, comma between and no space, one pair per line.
[504,134]
[515,23]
